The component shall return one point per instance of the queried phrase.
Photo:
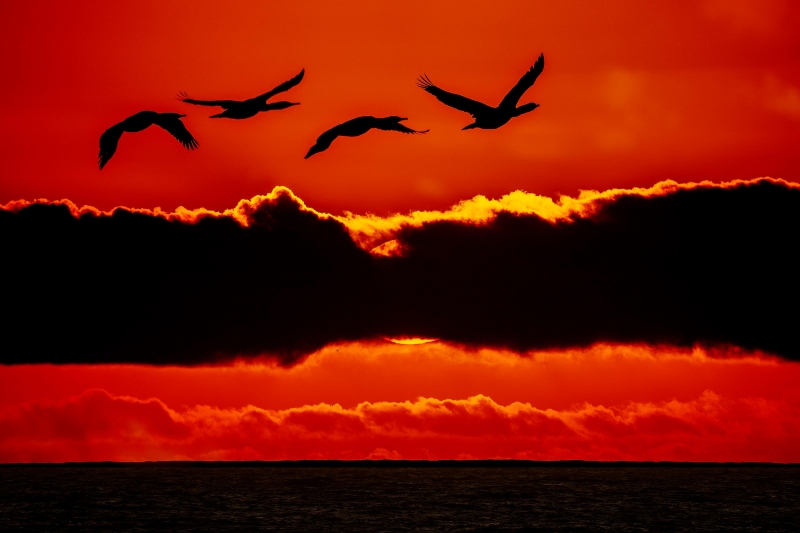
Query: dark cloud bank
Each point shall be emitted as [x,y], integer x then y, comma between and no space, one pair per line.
[703,266]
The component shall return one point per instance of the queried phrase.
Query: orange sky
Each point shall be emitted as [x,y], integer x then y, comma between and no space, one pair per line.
[431,401]
[631,95]
[349,374]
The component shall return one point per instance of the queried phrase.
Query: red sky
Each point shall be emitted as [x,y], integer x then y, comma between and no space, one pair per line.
[415,402]
[631,95]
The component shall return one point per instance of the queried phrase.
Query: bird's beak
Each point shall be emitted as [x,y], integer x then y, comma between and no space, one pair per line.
[181,116]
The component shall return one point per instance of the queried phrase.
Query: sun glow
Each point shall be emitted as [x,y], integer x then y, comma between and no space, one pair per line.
[409,340]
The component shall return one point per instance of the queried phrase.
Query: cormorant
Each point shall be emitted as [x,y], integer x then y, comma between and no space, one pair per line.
[251,107]
[358,126]
[144,119]
[485,116]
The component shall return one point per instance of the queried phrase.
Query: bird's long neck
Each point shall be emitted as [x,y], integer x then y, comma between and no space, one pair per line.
[521,110]
[277,105]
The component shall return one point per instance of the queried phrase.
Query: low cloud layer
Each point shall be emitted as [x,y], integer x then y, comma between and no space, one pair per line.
[98,426]
[677,264]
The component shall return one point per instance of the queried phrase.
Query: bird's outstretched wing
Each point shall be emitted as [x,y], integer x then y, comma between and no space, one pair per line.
[183,97]
[396,126]
[524,83]
[327,137]
[108,143]
[462,103]
[285,86]
[176,128]
[324,140]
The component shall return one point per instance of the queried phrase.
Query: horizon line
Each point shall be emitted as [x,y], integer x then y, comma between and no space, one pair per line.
[407,463]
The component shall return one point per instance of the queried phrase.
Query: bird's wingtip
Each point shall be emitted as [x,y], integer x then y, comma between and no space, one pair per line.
[423,82]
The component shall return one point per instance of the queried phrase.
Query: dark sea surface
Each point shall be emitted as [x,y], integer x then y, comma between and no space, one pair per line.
[400,496]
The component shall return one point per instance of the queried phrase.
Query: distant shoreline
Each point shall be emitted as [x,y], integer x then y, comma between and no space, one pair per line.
[392,463]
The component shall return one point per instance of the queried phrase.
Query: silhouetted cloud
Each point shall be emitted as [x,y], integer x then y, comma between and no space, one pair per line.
[98,426]
[682,265]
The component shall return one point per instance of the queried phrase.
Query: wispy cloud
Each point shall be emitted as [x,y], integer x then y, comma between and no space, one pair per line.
[99,426]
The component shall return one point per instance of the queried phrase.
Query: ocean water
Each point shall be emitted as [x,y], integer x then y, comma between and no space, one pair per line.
[404,496]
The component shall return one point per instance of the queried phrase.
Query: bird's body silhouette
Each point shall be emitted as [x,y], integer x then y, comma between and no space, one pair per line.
[359,126]
[142,120]
[487,117]
[251,107]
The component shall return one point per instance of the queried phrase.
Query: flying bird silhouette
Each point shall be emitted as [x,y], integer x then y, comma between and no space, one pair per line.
[144,119]
[359,126]
[485,116]
[251,107]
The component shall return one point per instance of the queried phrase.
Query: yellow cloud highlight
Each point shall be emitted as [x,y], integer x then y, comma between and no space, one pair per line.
[378,234]
[409,340]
